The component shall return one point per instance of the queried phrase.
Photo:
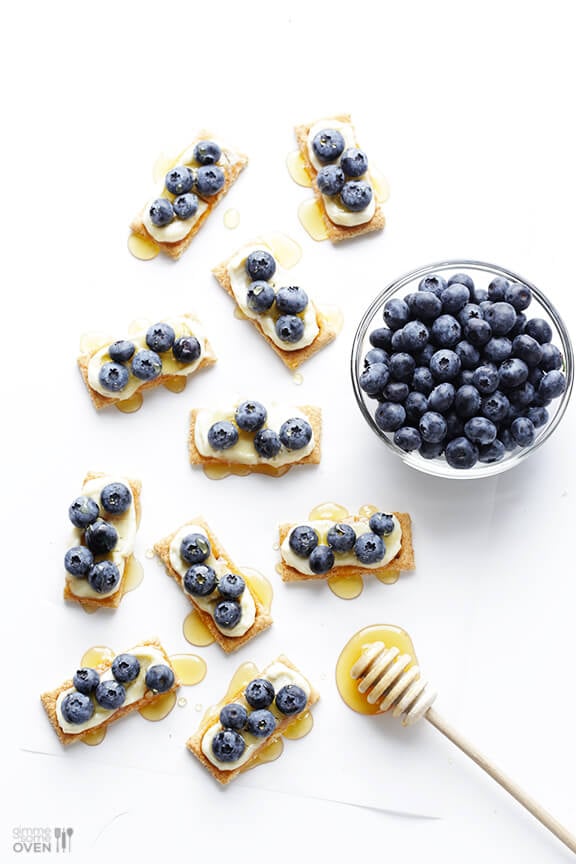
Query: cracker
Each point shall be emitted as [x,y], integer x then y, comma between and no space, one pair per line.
[403,561]
[194,743]
[336,233]
[313,414]
[263,619]
[111,601]
[232,163]
[50,698]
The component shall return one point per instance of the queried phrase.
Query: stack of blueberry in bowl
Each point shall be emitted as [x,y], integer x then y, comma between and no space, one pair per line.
[462,368]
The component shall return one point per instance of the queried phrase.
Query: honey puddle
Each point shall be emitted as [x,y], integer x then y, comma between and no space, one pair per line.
[269,753]
[260,585]
[175,383]
[300,727]
[220,470]
[93,341]
[159,708]
[286,251]
[92,739]
[143,248]
[312,219]
[195,631]
[134,575]
[96,655]
[297,169]
[346,587]
[333,317]
[129,406]
[189,668]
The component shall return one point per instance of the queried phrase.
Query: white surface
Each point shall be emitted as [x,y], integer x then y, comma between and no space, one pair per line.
[467,111]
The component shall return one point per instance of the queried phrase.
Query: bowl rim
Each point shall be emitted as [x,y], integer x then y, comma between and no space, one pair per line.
[437,467]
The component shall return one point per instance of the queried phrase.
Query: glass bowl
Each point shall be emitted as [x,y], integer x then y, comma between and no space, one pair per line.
[482,274]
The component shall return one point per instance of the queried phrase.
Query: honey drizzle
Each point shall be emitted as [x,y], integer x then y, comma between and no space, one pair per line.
[300,727]
[312,219]
[159,708]
[260,586]
[286,251]
[329,510]
[333,317]
[297,169]
[380,185]
[346,587]
[93,341]
[226,469]
[129,406]
[189,668]
[95,737]
[175,383]
[269,753]
[143,248]
[97,655]
[133,575]
[195,631]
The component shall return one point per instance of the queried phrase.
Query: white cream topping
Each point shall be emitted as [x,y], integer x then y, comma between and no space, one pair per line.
[243,452]
[279,676]
[125,525]
[336,212]
[392,544]
[148,655]
[207,604]
[184,325]
[240,282]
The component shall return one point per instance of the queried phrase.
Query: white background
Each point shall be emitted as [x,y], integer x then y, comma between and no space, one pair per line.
[468,110]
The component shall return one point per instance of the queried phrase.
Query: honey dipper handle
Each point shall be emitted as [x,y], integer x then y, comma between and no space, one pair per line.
[529,803]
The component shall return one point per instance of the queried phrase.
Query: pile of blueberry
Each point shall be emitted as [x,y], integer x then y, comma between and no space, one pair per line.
[207,180]
[228,745]
[250,417]
[79,705]
[88,560]
[145,364]
[462,371]
[285,305]
[342,170]
[369,548]
[200,580]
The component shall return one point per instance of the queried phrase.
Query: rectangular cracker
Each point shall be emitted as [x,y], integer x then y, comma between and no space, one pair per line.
[336,233]
[112,601]
[313,414]
[403,561]
[293,359]
[232,163]
[194,743]
[263,619]
[50,698]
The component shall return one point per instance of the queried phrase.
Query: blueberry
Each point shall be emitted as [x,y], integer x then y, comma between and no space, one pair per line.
[354,162]
[454,425]
[469,355]
[467,401]
[381,337]
[552,385]
[381,523]
[228,745]
[356,195]
[535,376]
[551,357]
[231,586]
[497,288]
[186,349]
[423,380]
[396,391]
[209,180]
[505,435]
[328,144]
[303,540]
[431,449]
[260,265]
[477,331]
[497,349]
[233,716]
[330,180]
[160,337]
[441,397]
[259,693]
[159,678]
[295,433]
[86,680]
[200,580]
[113,377]
[522,396]
[401,366]
[445,364]
[539,329]
[341,537]
[466,376]
[501,317]
[396,313]
[519,296]
[415,405]
[77,708]
[291,699]
[495,406]
[222,435]
[432,427]
[468,312]
[480,430]
[397,341]
[115,498]
[454,297]
[445,331]
[461,453]
[289,328]
[104,577]
[414,333]
[523,431]
[78,561]
[195,548]
[538,415]
[519,325]
[493,452]
[186,206]
[260,296]
[486,378]
[513,372]
[250,416]
[146,365]
[227,613]
[267,443]
[291,300]
[434,283]
[369,548]
[179,180]
[376,355]
[261,723]
[207,152]
[161,212]
[125,668]
[424,305]
[390,416]
[101,537]
[462,279]
[110,694]
[121,351]
[321,559]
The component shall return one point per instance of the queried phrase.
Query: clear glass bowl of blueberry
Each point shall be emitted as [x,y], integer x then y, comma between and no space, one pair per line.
[462,368]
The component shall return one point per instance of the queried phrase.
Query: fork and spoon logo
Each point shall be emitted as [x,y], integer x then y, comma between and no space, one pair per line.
[63,837]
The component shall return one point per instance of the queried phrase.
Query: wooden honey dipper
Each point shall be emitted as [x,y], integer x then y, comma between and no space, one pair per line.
[377,671]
